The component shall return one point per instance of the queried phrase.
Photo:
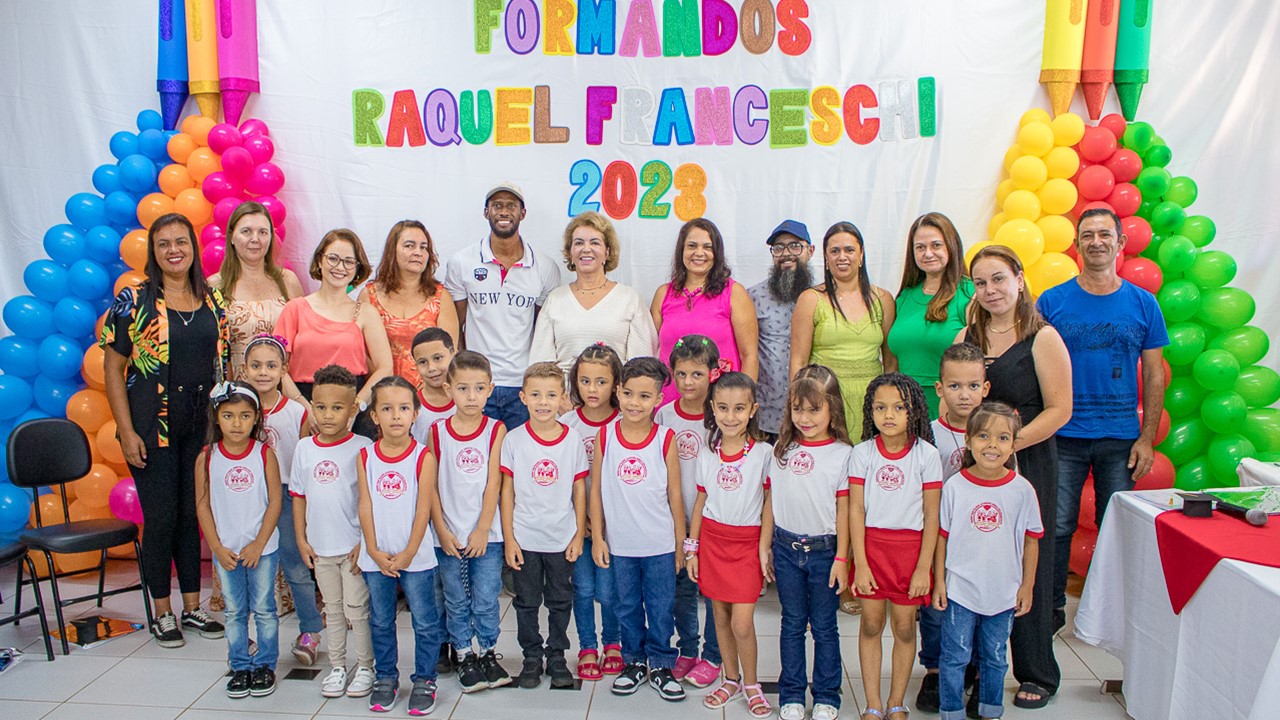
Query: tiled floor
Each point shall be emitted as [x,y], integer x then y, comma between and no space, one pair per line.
[133,678]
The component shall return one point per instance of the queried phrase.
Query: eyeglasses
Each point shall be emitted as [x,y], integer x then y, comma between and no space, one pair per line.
[795,247]
[336,261]
[504,206]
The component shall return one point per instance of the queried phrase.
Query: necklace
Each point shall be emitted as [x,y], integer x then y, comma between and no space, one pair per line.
[1001,332]
[186,321]
[580,288]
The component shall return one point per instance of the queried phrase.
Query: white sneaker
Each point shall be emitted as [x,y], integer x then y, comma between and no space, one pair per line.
[362,684]
[335,683]
[825,712]
[791,711]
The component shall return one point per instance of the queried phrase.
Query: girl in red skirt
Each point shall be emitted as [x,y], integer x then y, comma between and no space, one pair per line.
[728,546]
[895,486]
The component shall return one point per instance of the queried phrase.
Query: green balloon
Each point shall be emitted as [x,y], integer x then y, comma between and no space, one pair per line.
[1185,440]
[1179,300]
[1198,228]
[1262,427]
[1248,343]
[1145,208]
[1186,342]
[1138,137]
[1167,218]
[1258,385]
[1226,307]
[1152,250]
[1157,156]
[1225,454]
[1182,190]
[1193,475]
[1153,183]
[1212,268]
[1183,397]
[1177,253]
[1216,370]
[1224,412]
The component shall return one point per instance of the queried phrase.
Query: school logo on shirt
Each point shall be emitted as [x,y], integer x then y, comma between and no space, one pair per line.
[589,444]
[469,460]
[273,436]
[729,478]
[986,517]
[957,457]
[890,477]
[325,472]
[801,463]
[545,472]
[238,479]
[391,485]
[480,274]
[688,443]
[632,470]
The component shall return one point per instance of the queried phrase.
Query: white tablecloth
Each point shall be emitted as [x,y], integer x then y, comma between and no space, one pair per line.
[1218,659]
[1255,473]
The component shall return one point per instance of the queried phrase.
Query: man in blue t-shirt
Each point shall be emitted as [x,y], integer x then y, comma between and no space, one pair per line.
[1108,324]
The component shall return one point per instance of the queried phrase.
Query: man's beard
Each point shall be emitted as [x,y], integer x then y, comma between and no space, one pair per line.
[786,285]
[493,228]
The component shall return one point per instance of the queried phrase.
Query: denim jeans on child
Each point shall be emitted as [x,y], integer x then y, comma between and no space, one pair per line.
[963,633]
[505,406]
[419,592]
[471,589]
[687,601]
[246,590]
[1108,459]
[296,572]
[802,570]
[646,588]
[591,583]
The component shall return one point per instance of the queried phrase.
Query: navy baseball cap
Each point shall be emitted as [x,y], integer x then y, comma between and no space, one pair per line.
[790,227]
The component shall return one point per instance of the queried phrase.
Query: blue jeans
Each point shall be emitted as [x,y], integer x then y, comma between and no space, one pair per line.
[646,589]
[419,592]
[246,590]
[296,572]
[1107,458]
[505,405]
[591,583]
[964,631]
[808,603]
[471,588]
[687,595]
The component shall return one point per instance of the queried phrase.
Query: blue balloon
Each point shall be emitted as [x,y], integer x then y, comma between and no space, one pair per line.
[137,173]
[123,144]
[15,396]
[106,179]
[52,395]
[29,317]
[102,244]
[19,356]
[122,210]
[150,120]
[64,244]
[75,317]
[86,210]
[32,414]
[101,305]
[60,357]
[15,508]
[88,279]
[46,280]
[153,144]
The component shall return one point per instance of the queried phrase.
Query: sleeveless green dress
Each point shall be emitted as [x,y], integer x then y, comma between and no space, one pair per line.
[852,351]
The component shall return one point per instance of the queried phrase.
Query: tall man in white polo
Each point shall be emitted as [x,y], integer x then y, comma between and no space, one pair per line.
[498,286]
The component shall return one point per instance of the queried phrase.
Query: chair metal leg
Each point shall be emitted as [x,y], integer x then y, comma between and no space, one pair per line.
[102,575]
[35,588]
[142,580]
[17,591]
[57,603]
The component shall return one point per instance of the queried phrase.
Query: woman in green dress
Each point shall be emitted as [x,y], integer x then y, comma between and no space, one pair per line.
[933,301]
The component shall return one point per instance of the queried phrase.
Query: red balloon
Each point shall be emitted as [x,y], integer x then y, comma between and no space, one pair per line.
[1161,475]
[1125,164]
[1072,253]
[1125,198]
[1082,546]
[1113,122]
[1142,272]
[1088,505]
[1097,144]
[1096,182]
[1137,232]
[1162,430]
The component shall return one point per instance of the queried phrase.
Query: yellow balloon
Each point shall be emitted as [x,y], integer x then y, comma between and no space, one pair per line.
[1024,238]
[996,221]
[1057,196]
[1062,162]
[1013,153]
[1005,187]
[1028,172]
[973,250]
[1036,139]
[1034,115]
[1052,269]
[1068,128]
[1058,231]
[1022,204]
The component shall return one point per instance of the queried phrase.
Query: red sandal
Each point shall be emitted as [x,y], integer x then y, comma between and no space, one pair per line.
[589,669]
[613,664]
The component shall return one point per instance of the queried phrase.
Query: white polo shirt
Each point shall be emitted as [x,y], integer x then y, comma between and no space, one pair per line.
[735,484]
[804,489]
[501,304]
[325,474]
[950,443]
[985,523]
[543,473]
[691,438]
[893,484]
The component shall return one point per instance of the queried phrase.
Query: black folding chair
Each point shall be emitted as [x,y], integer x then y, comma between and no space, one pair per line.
[48,452]
[15,553]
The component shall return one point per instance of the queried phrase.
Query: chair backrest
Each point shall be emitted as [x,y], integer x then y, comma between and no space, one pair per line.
[48,451]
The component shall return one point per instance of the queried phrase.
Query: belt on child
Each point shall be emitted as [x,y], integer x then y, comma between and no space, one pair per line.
[805,543]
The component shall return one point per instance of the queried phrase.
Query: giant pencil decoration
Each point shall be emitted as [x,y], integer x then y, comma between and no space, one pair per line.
[1099,53]
[1133,54]
[202,56]
[171,61]
[237,55]
[1063,50]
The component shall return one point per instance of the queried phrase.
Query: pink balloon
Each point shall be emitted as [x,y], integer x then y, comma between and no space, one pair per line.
[219,186]
[123,501]
[238,163]
[281,233]
[212,234]
[211,257]
[253,126]
[266,179]
[223,137]
[260,147]
[276,207]
[222,210]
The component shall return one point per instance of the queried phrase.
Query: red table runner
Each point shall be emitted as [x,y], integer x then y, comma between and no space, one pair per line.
[1191,547]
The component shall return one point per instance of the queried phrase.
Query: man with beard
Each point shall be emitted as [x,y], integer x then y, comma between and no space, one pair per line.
[775,299]
[498,287]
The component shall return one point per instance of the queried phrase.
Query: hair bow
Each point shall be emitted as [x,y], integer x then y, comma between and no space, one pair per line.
[224,391]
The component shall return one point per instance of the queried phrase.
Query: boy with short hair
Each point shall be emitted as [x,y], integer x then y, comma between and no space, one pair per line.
[544,513]
[432,351]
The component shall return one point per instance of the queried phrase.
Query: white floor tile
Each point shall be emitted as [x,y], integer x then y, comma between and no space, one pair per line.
[541,703]
[1101,663]
[156,682]
[81,711]
[24,710]
[39,679]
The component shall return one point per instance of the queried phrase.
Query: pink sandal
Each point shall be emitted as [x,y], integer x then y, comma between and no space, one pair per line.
[612,664]
[589,669]
[722,695]
[757,705]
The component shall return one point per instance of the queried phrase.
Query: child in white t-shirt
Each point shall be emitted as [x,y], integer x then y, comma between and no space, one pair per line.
[985,562]
[432,351]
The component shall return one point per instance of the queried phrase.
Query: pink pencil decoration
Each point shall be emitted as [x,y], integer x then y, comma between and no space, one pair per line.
[237,55]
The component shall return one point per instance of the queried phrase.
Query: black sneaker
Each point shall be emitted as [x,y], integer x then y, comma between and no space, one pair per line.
[383,697]
[558,669]
[423,697]
[631,678]
[665,682]
[531,673]
[448,661]
[203,623]
[262,682]
[971,707]
[927,699]
[166,632]
[471,675]
[494,673]
[238,685]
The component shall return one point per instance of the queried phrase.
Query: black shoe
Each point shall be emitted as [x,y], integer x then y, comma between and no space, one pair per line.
[531,673]
[166,632]
[927,699]
[471,675]
[631,678]
[383,697]
[203,623]
[558,669]
[971,707]
[494,673]
[422,699]
[238,685]
[448,661]
[262,682]
[665,682]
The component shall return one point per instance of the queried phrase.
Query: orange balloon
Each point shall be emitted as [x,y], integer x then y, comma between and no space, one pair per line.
[181,146]
[95,488]
[203,162]
[92,369]
[130,277]
[107,443]
[192,203]
[187,121]
[174,179]
[50,508]
[200,128]
[68,489]
[97,454]
[89,409]
[133,247]
[152,207]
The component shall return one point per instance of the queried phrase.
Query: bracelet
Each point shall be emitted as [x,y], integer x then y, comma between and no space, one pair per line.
[690,545]
[842,560]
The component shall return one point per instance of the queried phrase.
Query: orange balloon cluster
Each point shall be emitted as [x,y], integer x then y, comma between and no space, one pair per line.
[179,185]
